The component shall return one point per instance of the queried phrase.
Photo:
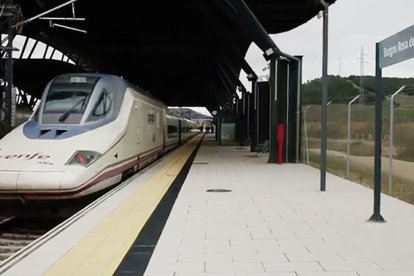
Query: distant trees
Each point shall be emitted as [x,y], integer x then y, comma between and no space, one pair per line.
[342,90]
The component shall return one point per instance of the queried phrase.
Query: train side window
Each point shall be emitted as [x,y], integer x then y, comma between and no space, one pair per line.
[151,119]
[172,129]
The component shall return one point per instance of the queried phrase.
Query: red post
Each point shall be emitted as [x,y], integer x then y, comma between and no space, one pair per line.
[280,142]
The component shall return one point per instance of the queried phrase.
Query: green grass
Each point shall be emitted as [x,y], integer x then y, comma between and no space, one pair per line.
[404,114]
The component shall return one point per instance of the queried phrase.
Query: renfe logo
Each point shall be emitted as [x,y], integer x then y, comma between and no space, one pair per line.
[36,156]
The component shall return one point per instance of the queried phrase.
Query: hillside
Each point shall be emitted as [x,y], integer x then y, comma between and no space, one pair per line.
[342,90]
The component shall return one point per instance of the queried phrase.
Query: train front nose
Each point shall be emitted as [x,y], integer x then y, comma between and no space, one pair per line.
[30,181]
[8,180]
[29,172]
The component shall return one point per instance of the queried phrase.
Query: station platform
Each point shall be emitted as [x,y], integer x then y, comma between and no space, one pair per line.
[235,215]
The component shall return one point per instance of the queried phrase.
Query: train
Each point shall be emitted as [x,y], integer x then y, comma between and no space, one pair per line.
[89,132]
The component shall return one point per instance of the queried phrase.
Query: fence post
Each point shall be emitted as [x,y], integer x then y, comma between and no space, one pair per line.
[348,148]
[391,147]
[305,125]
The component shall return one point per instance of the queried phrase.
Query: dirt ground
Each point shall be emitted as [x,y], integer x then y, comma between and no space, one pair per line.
[401,169]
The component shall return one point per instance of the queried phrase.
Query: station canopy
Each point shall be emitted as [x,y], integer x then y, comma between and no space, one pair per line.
[186,53]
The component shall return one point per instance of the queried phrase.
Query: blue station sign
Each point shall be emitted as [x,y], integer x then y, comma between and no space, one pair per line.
[397,48]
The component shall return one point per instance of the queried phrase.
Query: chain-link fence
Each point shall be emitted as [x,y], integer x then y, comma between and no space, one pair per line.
[351,142]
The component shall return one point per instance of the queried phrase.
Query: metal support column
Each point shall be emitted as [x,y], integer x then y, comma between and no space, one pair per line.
[253,117]
[240,123]
[293,133]
[263,111]
[274,64]
[216,133]
[378,139]
[324,119]
[299,110]
[7,79]
[247,111]
[243,119]
[279,107]
[179,132]
[219,122]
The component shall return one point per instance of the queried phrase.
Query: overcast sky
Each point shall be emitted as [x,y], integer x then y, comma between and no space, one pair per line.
[352,24]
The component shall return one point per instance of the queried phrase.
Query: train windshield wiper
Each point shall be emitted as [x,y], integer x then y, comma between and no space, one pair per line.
[70,111]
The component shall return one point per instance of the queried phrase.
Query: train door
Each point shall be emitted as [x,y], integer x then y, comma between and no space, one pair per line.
[151,124]
[164,129]
[138,122]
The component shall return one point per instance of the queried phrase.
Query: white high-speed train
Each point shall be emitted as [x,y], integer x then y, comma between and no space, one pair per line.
[89,132]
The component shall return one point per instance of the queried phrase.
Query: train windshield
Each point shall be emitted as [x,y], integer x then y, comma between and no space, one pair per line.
[67,99]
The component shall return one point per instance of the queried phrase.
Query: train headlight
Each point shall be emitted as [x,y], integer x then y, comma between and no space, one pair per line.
[84,158]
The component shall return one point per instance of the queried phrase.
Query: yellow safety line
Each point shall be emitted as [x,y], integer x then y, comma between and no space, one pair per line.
[101,251]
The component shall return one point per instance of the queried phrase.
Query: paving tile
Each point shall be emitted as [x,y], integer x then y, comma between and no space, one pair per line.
[292,266]
[277,220]
[329,273]
[204,274]
[397,265]
[262,235]
[317,256]
[266,274]
[222,266]
[205,257]
[159,274]
[385,273]
[257,257]
[353,266]
[176,267]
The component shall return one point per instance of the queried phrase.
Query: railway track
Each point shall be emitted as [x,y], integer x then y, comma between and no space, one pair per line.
[16,233]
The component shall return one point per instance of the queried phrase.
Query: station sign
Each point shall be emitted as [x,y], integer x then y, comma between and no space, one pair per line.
[397,48]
